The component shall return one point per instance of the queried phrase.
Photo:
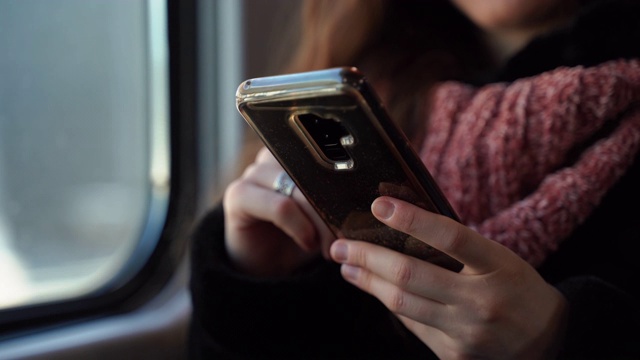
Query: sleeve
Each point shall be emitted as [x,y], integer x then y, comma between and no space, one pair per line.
[603,323]
[315,314]
[596,271]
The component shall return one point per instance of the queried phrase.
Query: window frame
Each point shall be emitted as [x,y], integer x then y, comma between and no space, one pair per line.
[169,253]
[149,317]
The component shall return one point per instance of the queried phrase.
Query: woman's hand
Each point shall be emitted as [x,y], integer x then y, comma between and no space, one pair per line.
[497,307]
[268,233]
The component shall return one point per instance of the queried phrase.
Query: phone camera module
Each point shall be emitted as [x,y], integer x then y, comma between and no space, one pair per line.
[329,135]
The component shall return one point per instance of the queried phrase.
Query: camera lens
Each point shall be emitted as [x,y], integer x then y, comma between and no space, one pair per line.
[326,132]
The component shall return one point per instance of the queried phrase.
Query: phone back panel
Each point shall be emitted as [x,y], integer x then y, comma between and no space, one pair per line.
[330,132]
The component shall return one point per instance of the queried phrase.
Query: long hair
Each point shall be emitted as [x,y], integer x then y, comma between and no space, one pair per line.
[402,46]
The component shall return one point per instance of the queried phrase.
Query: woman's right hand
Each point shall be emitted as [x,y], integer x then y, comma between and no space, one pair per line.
[268,233]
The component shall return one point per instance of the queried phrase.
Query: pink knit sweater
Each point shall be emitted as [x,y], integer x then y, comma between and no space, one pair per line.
[518,161]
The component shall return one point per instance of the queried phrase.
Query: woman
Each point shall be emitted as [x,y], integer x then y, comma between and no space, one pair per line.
[526,114]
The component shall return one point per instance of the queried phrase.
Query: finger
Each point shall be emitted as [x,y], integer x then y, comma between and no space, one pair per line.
[397,300]
[458,241]
[265,156]
[247,200]
[435,338]
[405,272]
[264,173]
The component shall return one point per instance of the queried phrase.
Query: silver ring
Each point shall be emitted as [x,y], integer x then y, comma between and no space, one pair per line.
[283,184]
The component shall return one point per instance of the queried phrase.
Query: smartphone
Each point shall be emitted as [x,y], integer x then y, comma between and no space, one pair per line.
[331,133]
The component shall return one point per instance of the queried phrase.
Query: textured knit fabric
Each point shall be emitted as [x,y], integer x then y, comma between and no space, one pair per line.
[526,163]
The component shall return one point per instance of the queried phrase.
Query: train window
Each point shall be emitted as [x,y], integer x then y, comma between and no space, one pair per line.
[84,148]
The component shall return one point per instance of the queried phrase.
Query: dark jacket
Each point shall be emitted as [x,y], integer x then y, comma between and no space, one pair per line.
[316,314]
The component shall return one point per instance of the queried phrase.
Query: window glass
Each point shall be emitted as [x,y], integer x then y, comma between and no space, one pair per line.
[82,143]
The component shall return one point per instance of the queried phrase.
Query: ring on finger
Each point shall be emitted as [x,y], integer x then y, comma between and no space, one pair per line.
[283,184]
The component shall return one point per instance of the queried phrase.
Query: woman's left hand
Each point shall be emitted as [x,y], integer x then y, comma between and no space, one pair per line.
[496,307]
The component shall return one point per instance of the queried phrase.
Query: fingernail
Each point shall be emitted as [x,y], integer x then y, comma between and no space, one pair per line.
[349,272]
[339,251]
[382,209]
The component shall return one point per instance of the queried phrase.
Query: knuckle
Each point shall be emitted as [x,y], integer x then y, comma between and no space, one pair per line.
[233,190]
[488,312]
[402,272]
[456,240]
[266,157]
[250,170]
[263,154]
[396,302]
[409,223]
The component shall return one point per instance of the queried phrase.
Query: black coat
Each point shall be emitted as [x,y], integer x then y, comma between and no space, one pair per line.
[318,315]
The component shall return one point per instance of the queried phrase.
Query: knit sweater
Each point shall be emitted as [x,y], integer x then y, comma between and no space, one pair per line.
[509,155]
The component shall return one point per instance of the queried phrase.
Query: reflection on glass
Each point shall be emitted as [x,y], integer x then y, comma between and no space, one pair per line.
[79,109]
